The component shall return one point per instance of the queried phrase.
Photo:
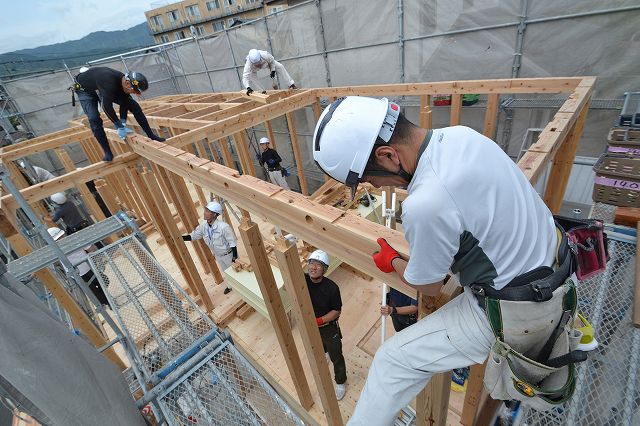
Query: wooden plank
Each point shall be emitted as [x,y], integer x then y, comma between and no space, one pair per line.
[456,107]
[473,394]
[254,245]
[296,286]
[627,216]
[563,163]
[425,112]
[491,116]
[296,153]
[35,146]
[242,145]
[244,312]
[270,135]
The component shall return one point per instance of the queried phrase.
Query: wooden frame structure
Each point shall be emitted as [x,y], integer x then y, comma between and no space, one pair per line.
[147,176]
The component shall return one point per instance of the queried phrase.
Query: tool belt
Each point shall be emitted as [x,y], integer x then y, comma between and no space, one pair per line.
[532,318]
[326,324]
[273,169]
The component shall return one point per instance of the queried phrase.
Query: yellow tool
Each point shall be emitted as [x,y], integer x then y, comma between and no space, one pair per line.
[588,342]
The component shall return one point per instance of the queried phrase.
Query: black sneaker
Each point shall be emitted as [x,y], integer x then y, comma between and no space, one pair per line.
[227,290]
[157,138]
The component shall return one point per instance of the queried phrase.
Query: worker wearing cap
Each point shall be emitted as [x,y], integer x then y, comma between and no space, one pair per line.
[402,308]
[469,209]
[218,235]
[271,160]
[327,304]
[257,60]
[68,212]
[108,86]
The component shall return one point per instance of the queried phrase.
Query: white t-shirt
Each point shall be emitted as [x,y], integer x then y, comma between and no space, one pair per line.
[78,258]
[472,211]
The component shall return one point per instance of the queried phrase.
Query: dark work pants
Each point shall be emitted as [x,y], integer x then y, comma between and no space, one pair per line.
[332,343]
[400,322]
[94,285]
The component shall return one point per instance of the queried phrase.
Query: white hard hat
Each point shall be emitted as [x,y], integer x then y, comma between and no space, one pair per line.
[214,206]
[291,238]
[56,233]
[264,141]
[320,256]
[22,164]
[83,69]
[346,133]
[59,198]
[254,56]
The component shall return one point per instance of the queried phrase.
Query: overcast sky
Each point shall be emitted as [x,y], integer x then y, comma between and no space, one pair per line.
[31,23]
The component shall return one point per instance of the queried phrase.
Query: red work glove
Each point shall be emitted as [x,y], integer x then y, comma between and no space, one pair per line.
[385,256]
[319,321]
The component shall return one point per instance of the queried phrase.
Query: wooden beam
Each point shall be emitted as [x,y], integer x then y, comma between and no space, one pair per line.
[491,116]
[425,112]
[296,286]
[321,225]
[242,147]
[37,145]
[473,394]
[254,245]
[296,153]
[563,163]
[270,135]
[456,106]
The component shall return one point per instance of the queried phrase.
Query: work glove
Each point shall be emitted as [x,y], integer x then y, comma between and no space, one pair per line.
[385,256]
[319,321]
[186,237]
[122,132]
[258,157]
[264,92]
[249,90]
[273,74]
[234,254]
[124,124]
[293,86]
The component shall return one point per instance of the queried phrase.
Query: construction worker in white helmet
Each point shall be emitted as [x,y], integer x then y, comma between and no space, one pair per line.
[218,235]
[78,259]
[66,210]
[257,60]
[470,210]
[327,305]
[271,160]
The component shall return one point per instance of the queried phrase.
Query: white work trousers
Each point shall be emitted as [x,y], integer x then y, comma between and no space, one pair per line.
[276,178]
[224,260]
[455,336]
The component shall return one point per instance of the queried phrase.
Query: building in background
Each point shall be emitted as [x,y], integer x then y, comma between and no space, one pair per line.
[182,19]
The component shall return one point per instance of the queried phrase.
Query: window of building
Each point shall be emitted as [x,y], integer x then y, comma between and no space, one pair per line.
[180,35]
[174,15]
[199,30]
[277,9]
[164,38]
[218,26]
[156,20]
[193,11]
[229,22]
[250,1]
[213,5]
[230,2]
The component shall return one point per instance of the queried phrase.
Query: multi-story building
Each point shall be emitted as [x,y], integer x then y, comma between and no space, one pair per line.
[185,18]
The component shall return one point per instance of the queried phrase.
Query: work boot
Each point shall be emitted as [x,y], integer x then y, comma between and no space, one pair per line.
[227,290]
[341,390]
[108,155]
[293,86]
[155,137]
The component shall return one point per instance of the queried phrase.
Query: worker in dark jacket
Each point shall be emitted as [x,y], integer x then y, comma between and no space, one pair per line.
[67,211]
[271,160]
[108,86]
[402,308]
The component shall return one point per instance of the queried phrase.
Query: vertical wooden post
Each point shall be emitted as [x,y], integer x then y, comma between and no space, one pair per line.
[242,146]
[296,153]
[226,154]
[270,135]
[473,394]
[296,286]
[491,115]
[456,106]
[432,403]
[20,182]
[252,239]
[562,164]
[425,112]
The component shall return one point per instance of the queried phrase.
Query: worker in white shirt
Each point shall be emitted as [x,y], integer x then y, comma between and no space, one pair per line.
[218,235]
[257,60]
[41,175]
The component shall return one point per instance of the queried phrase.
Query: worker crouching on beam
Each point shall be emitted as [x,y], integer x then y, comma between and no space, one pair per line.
[470,210]
[108,86]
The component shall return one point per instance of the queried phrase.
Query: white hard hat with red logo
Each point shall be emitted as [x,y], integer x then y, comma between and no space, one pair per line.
[347,132]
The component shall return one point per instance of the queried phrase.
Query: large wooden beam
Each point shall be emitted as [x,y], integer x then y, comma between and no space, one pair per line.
[323,226]
[296,286]
[293,134]
[34,147]
[254,245]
